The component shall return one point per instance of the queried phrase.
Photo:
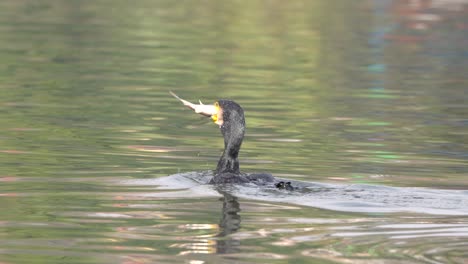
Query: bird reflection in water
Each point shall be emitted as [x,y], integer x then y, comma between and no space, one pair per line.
[229,224]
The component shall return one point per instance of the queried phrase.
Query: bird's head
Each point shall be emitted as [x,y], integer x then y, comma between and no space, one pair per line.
[227,114]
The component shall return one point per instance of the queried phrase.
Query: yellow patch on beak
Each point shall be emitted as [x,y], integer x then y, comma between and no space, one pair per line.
[218,116]
[214,117]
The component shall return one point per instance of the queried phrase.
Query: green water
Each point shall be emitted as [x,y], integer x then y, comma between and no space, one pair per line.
[349,92]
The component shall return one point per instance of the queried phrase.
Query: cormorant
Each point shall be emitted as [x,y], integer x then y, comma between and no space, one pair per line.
[230,117]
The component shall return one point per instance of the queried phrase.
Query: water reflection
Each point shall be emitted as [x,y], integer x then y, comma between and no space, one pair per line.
[230,222]
[362,95]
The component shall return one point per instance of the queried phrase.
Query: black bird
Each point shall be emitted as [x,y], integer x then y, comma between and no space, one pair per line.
[230,117]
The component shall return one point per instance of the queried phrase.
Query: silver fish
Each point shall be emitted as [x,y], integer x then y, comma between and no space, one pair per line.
[202,109]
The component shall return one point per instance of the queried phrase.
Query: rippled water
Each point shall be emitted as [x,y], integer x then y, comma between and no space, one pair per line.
[362,102]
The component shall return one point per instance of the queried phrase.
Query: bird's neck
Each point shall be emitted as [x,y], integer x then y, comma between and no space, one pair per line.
[228,162]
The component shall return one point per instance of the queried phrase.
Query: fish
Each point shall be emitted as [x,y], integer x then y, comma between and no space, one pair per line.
[202,109]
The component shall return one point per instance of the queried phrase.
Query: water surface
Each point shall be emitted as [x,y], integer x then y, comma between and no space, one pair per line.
[366,98]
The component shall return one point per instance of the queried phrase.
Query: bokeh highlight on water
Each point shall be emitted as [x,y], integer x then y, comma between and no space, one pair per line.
[353,94]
